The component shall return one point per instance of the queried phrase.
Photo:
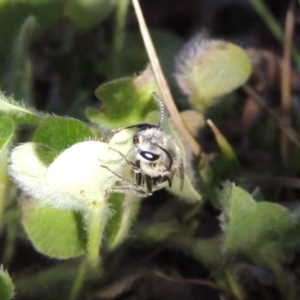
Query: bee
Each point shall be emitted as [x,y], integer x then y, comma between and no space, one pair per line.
[156,159]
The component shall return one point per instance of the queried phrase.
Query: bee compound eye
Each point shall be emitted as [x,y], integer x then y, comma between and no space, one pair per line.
[149,155]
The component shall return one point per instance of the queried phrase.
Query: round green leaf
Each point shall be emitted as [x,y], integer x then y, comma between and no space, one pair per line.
[60,133]
[53,232]
[207,69]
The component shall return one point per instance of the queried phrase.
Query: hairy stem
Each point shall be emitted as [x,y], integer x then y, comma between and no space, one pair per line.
[96,220]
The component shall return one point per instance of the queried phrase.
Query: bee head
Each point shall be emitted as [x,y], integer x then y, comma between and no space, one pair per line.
[156,152]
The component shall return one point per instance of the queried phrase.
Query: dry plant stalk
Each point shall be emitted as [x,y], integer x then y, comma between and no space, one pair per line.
[162,83]
[286,102]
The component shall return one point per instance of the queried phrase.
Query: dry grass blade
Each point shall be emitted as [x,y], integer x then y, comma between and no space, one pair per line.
[161,81]
[286,80]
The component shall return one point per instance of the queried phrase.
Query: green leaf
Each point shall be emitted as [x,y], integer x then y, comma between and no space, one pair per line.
[78,177]
[74,180]
[44,154]
[125,208]
[7,128]
[86,14]
[275,218]
[18,111]
[268,251]
[292,237]
[27,169]
[208,251]
[125,101]
[60,133]
[207,69]
[53,232]
[248,224]
[6,286]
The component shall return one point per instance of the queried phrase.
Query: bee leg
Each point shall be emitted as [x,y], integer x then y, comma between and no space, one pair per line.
[149,183]
[130,187]
[181,174]
[133,166]
[122,178]
[140,177]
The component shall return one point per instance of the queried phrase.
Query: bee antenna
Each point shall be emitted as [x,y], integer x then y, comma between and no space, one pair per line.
[162,109]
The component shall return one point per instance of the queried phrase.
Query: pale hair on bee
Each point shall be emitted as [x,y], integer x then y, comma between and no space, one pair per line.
[157,158]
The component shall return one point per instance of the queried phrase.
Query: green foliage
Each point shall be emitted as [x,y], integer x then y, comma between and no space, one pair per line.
[20,113]
[207,69]
[60,133]
[133,95]
[6,286]
[54,232]
[7,127]
[68,170]
[248,224]
[86,14]
[125,208]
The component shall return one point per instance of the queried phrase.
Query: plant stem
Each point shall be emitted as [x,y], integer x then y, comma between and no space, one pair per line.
[267,17]
[233,284]
[131,207]
[3,183]
[273,25]
[79,280]
[119,34]
[286,101]
[226,149]
[96,220]
[21,69]
[10,244]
